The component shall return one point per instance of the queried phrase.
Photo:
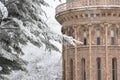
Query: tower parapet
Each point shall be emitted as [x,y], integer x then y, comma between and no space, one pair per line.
[75,4]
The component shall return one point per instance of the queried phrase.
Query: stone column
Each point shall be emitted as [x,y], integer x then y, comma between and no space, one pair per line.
[78,33]
[90,43]
[66,59]
[76,55]
[106,49]
[117,39]
[63,63]
[63,57]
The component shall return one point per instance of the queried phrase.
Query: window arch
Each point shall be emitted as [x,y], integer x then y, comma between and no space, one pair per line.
[114,69]
[83,73]
[98,68]
[71,32]
[98,36]
[71,69]
[112,37]
[64,72]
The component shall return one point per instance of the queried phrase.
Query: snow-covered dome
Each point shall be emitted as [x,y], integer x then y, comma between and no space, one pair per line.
[3,11]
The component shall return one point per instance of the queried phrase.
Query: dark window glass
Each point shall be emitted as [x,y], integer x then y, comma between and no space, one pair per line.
[98,40]
[85,41]
[114,69]
[83,70]
[98,69]
[112,40]
[64,73]
[71,68]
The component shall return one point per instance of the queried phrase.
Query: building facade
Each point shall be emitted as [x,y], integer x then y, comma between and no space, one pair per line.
[97,24]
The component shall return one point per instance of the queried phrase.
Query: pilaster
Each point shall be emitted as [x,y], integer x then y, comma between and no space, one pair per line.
[90,44]
[117,34]
[106,25]
[66,59]
[76,54]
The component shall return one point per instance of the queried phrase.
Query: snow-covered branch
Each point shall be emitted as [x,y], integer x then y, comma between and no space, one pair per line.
[3,11]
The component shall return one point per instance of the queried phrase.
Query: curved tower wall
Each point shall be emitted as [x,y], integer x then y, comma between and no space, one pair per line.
[98,1]
[97,24]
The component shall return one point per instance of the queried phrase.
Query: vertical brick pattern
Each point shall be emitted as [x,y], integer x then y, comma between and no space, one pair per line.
[114,52]
[98,17]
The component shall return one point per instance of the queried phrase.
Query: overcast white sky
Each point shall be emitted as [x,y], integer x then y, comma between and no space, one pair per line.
[51,15]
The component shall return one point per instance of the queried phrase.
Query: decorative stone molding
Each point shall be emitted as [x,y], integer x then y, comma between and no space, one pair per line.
[89,16]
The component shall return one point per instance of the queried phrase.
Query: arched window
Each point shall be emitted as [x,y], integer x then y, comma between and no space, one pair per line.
[71,69]
[83,69]
[98,36]
[98,68]
[112,37]
[114,69]
[85,37]
[64,72]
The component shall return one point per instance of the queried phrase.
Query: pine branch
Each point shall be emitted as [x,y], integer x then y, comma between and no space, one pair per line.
[10,2]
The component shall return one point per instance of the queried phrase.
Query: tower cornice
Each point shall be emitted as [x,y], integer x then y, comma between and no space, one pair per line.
[89,5]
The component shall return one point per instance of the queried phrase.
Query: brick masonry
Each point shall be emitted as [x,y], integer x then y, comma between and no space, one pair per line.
[90,19]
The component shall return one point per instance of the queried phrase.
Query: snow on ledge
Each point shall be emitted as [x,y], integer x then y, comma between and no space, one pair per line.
[3,10]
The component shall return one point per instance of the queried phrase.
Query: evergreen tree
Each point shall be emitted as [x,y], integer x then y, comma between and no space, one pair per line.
[21,22]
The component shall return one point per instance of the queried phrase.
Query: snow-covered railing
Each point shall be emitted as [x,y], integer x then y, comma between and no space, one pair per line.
[83,4]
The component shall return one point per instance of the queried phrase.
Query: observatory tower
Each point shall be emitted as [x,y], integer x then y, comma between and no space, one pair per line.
[97,24]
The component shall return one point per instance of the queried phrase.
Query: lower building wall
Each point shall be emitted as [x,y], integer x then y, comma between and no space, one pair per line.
[95,53]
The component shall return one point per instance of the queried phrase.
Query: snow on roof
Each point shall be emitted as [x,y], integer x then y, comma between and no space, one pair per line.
[4,11]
